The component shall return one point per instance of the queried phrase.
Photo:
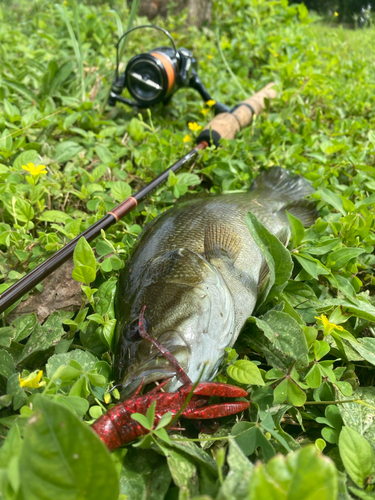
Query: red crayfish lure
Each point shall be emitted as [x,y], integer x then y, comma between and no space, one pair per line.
[116,427]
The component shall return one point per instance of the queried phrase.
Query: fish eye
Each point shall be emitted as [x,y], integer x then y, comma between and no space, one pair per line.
[134,334]
[134,330]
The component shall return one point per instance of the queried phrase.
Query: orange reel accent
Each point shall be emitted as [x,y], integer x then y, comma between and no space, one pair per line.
[168,68]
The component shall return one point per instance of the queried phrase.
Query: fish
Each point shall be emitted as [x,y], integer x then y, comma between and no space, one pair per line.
[198,271]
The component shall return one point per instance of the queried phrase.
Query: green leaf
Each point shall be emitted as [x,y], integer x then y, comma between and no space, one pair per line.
[236,483]
[321,248]
[136,129]
[332,199]
[305,474]
[61,457]
[108,334]
[24,158]
[106,295]
[106,265]
[361,494]
[120,190]
[70,373]
[190,448]
[21,210]
[369,200]
[312,266]
[298,231]
[84,254]
[104,154]
[96,379]
[276,255]
[358,307]
[143,420]
[183,469]
[67,150]
[321,348]
[53,216]
[188,179]
[80,388]
[164,421]
[75,404]
[7,367]
[250,437]
[61,75]
[103,248]
[43,336]
[97,318]
[360,415]
[314,377]
[7,334]
[288,391]
[366,348]
[150,414]
[22,89]
[14,388]
[83,359]
[285,334]
[245,372]
[144,475]
[162,434]
[357,456]
[338,259]
[84,274]
[330,435]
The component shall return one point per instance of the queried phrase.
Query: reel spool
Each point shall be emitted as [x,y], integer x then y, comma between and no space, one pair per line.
[154,76]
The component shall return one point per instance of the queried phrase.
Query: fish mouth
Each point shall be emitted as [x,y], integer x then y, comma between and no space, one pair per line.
[157,367]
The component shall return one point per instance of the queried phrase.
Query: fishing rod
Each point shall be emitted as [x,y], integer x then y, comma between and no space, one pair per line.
[223,126]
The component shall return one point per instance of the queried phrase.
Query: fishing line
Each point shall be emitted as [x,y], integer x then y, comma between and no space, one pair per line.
[38,121]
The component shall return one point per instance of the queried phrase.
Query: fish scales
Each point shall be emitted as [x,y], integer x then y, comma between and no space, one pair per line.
[197,270]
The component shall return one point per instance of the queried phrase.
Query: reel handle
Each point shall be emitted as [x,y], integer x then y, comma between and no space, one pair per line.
[226,125]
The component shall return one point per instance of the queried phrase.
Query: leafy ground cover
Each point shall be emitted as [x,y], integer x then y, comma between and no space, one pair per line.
[307,356]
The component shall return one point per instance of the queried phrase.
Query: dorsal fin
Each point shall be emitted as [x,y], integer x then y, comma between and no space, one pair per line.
[282,185]
[221,240]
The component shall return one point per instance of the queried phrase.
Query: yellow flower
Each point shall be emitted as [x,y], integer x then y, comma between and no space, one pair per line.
[187,138]
[327,326]
[211,103]
[194,127]
[204,111]
[32,380]
[34,171]
[210,56]
[336,14]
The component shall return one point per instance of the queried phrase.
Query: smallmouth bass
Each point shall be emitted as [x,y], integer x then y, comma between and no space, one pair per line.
[197,270]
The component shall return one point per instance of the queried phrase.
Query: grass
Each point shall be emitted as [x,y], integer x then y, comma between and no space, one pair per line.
[309,427]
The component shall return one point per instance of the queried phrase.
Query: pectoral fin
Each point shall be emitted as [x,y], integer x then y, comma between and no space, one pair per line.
[221,240]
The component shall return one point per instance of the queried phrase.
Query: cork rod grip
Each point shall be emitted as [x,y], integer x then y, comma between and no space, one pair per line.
[226,125]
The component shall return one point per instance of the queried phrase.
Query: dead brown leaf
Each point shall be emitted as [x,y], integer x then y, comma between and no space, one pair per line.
[60,292]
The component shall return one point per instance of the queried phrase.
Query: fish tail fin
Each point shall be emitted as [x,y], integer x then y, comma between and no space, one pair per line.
[282,185]
[304,210]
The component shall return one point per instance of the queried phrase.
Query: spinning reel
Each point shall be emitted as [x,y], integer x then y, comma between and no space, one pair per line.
[156,75]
